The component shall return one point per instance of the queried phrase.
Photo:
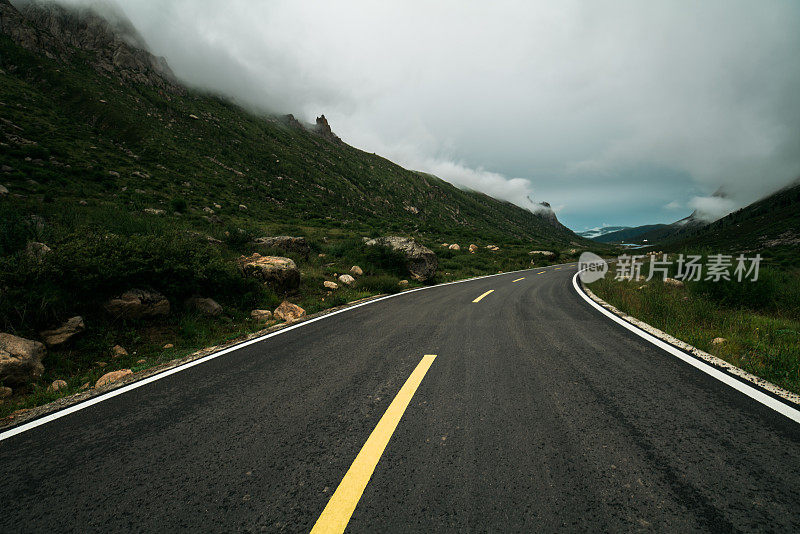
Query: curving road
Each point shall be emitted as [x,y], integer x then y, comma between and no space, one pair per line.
[537,413]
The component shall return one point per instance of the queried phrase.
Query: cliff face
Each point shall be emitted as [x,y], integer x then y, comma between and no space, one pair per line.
[113,47]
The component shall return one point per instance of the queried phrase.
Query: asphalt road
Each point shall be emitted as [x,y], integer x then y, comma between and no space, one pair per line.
[537,414]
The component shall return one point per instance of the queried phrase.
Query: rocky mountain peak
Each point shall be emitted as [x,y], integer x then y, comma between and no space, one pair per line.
[115,47]
[324,129]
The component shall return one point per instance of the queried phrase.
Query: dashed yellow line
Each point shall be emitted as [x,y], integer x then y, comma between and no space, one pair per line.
[542,272]
[479,298]
[340,508]
[557,268]
[518,279]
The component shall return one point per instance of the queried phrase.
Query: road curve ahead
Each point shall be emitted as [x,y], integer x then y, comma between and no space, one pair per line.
[504,403]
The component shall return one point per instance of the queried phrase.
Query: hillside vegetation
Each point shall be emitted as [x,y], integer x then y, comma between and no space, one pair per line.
[770,226]
[115,177]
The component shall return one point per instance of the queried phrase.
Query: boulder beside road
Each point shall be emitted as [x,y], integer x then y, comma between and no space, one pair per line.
[346,279]
[421,261]
[62,334]
[20,359]
[137,304]
[276,270]
[288,312]
[113,376]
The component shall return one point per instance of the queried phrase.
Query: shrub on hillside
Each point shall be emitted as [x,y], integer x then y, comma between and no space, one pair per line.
[85,269]
[774,290]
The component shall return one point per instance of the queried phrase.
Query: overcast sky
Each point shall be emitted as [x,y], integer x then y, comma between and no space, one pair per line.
[623,112]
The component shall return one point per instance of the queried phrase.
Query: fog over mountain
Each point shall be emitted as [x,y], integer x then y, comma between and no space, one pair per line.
[619,113]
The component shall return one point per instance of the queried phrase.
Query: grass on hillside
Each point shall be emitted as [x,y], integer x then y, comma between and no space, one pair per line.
[98,251]
[133,187]
[760,320]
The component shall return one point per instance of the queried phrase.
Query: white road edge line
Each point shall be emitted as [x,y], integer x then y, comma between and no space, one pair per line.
[105,396]
[753,393]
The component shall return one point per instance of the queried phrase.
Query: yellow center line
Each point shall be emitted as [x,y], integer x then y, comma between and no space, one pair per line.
[340,508]
[542,272]
[518,279]
[557,268]
[479,298]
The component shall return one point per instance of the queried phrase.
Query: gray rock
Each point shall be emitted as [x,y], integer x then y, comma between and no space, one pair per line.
[347,280]
[277,271]
[261,316]
[421,261]
[137,304]
[37,251]
[65,332]
[20,359]
[205,306]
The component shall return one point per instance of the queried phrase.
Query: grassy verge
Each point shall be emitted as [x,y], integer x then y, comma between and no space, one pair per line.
[760,321]
[96,254]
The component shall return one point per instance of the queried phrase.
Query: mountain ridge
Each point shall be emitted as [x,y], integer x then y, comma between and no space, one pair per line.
[92,43]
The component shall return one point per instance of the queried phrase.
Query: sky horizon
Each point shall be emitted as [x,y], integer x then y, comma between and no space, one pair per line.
[619,113]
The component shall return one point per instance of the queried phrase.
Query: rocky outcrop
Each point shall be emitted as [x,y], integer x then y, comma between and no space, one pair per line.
[672,282]
[286,243]
[113,376]
[455,246]
[546,253]
[323,129]
[289,312]
[204,306]
[355,270]
[421,261]
[327,284]
[282,273]
[112,43]
[118,351]
[137,304]
[20,359]
[65,332]
[473,248]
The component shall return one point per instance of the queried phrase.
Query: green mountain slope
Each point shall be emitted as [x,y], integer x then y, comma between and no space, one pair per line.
[628,235]
[115,133]
[770,225]
[115,177]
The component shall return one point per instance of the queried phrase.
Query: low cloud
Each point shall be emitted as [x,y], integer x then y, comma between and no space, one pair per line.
[581,102]
[712,208]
